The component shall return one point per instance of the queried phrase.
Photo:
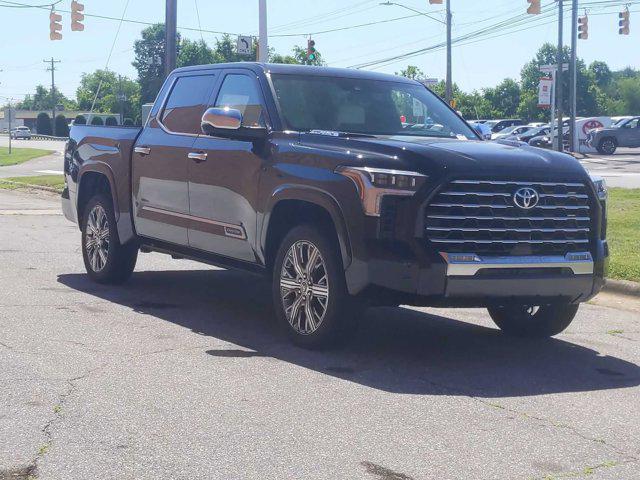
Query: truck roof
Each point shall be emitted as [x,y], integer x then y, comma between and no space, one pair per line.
[301,70]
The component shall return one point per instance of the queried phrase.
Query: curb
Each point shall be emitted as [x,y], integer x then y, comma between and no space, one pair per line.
[30,186]
[622,287]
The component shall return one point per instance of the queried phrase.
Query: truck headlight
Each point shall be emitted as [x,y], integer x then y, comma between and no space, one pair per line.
[601,187]
[374,183]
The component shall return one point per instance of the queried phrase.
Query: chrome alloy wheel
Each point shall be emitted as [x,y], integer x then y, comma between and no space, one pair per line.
[97,238]
[304,287]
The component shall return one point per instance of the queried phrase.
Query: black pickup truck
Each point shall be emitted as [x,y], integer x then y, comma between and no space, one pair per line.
[349,189]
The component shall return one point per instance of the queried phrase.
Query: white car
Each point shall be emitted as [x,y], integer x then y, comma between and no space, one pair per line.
[21,132]
[509,131]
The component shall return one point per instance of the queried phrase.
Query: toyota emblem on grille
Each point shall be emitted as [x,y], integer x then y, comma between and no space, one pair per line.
[526,198]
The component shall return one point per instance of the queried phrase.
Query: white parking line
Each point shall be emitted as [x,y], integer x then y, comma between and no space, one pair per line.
[50,172]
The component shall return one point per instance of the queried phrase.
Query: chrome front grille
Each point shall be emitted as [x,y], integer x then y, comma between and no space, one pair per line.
[481,216]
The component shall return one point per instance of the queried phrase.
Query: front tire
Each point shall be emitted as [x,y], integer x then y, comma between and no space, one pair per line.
[105,258]
[607,146]
[533,321]
[309,290]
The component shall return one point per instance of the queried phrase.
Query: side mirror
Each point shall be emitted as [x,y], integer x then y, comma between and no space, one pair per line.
[227,123]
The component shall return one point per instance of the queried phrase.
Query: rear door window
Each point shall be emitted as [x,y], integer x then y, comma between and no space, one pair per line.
[186,104]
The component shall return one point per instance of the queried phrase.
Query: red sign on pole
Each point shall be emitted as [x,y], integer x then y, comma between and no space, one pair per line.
[544,92]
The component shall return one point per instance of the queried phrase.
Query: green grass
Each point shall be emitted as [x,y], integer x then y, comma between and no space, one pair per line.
[53,181]
[624,234]
[19,155]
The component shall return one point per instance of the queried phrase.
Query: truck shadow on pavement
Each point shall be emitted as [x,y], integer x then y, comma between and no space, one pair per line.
[396,350]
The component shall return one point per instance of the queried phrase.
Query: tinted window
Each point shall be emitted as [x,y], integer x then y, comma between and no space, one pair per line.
[364,106]
[242,93]
[186,104]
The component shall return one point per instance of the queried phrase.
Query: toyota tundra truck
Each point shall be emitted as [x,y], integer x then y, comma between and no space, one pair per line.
[348,189]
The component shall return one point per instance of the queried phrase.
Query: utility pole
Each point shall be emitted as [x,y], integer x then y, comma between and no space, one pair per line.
[52,69]
[10,114]
[573,138]
[559,73]
[449,86]
[263,44]
[171,32]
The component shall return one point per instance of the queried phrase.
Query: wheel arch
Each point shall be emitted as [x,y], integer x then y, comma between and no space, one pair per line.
[96,179]
[296,204]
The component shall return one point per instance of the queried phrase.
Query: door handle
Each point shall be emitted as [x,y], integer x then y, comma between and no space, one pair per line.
[142,150]
[198,156]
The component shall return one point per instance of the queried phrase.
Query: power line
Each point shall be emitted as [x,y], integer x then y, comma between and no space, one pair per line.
[490,32]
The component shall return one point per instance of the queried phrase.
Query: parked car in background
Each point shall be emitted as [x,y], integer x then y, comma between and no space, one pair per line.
[544,141]
[537,124]
[21,132]
[497,125]
[483,130]
[510,131]
[533,132]
[626,133]
[617,120]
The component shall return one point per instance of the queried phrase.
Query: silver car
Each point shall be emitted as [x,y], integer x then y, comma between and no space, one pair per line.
[21,132]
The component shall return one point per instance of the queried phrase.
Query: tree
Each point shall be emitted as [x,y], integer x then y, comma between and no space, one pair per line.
[62,127]
[43,100]
[43,124]
[411,72]
[150,61]
[97,121]
[195,53]
[111,87]
[504,98]
[601,74]
[80,120]
[111,121]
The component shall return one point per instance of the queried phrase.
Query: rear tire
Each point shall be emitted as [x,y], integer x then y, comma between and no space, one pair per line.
[531,321]
[607,146]
[105,258]
[309,290]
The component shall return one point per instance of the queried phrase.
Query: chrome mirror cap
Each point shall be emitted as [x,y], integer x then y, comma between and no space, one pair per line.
[224,118]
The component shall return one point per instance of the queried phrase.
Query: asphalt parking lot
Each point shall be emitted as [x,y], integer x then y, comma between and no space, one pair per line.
[182,374]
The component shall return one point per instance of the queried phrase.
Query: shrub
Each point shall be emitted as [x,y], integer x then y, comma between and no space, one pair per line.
[128,122]
[43,124]
[111,121]
[97,121]
[80,120]
[62,127]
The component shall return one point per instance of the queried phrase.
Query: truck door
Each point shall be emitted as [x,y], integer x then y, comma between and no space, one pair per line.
[160,160]
[224,174]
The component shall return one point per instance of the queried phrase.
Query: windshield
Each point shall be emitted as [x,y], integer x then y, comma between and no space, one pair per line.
[370,107]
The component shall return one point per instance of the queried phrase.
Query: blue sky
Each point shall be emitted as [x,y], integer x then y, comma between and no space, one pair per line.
[24,40]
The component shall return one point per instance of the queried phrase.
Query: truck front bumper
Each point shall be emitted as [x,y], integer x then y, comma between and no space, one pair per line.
[473,280]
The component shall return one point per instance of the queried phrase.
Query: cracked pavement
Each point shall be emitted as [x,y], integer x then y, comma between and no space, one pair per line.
[181,373]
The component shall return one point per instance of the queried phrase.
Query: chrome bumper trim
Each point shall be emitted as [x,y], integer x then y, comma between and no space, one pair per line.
[469,264]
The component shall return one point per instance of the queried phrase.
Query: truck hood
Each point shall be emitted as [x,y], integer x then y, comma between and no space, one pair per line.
[460,157]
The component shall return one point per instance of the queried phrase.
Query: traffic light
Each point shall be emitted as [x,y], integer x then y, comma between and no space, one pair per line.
[624,22]
[583,28]
[77,17]
[55,27]
[534,8]
[311,50]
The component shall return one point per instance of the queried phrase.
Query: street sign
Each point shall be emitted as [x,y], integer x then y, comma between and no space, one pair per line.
[544,92]
[244,44]
[553,68]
